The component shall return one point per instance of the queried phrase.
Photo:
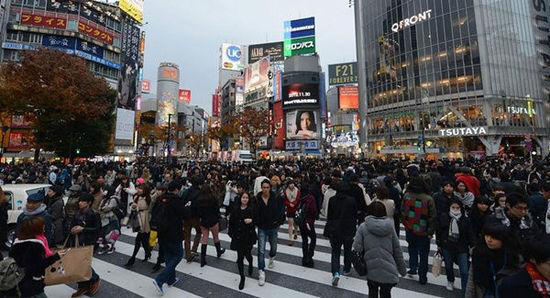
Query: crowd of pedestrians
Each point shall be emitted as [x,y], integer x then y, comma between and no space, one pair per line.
[489,217]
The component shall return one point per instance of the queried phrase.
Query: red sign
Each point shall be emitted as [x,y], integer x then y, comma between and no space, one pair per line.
[184,95]
[146,86]
[95,33]
[348,97]
[37,20]
[278,123]
[20,140]
[216,105]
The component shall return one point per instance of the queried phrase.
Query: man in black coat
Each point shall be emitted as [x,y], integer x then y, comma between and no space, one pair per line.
[172,212]
[340,228]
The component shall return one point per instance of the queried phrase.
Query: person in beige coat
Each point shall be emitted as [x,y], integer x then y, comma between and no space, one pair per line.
[139,220]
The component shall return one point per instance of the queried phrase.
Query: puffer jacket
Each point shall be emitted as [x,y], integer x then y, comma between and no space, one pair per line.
[376,237]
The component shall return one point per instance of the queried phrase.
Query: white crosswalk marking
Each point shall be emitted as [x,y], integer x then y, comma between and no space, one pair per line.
[220,278]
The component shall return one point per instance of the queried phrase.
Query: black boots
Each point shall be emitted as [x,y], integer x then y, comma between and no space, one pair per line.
[130,262]
[219,249]
[203,254]
[250,267]
[240,265]
[147,256]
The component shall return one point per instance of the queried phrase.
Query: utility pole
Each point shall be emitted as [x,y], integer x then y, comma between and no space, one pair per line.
[168,138]
[362,72]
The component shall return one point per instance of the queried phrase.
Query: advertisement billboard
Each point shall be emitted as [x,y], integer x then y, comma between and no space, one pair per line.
[20,140]
[216,105]
[278,122]
[299,37]
[272,50]
[257,75]
[134,8]
[124,124]
[146,86]
[300,94]
[43,21]
[239,91]
[184,96]
[302,125]
[342,74]
[348,97]
[231,57]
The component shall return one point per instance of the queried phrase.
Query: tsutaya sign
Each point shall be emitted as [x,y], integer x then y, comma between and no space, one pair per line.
[463,131]
[412,21]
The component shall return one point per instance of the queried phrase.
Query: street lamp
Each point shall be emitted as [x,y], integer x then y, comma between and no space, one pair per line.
[4,131]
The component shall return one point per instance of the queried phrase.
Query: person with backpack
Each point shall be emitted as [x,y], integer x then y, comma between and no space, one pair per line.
[418,214]
[171,213]
[305,218]
[23,272]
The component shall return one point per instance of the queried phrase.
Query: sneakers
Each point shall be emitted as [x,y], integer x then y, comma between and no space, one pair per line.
[335,279]
[94,288]
[411,273]
[111,250]
[261,279]
[174,283]
[450,286]
[159,289]
[347,273]
[271,264]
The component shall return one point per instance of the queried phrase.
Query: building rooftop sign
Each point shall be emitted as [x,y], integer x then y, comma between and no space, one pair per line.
[411,21]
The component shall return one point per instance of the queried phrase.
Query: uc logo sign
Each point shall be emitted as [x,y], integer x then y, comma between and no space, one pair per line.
[233,53]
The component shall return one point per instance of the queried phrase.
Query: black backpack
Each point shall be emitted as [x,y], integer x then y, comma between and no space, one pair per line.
[159,217]
[300,217]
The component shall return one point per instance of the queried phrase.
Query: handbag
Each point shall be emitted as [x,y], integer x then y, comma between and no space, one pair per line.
[358,263]
[74,266]
[437,264]
[134,222]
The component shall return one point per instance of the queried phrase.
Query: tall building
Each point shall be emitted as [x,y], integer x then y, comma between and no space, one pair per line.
[455,77]
[168,84]
[105,35]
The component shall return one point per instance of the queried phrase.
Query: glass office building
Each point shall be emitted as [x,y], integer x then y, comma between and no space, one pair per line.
[457,77]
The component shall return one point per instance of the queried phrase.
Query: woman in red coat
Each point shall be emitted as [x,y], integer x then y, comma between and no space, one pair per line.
[292,201]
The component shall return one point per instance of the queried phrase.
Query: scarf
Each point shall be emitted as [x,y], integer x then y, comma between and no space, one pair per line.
[44,241]
[454,232]
[540,284]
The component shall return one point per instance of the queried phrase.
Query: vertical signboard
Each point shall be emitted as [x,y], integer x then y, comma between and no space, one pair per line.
[124,125]
[184,96]
[299,37]
[128,82]
[278,121]
[216,105]
[348,97]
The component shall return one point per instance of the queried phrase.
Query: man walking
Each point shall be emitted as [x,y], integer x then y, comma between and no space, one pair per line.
[271,214]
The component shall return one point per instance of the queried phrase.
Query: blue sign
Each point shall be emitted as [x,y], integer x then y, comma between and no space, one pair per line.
[97,59]
[16,46]
[306,145]
[234,53]
[299,28]
[59,42]
[89,48]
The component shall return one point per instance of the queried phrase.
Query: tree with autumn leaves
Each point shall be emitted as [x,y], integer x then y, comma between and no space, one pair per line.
[72,110]
[252,125]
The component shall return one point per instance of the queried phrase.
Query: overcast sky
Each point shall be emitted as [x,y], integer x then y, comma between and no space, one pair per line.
[190,32]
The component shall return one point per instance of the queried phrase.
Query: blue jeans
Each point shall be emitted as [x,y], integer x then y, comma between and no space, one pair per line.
[419,248]
[461,259]
[263,237]
[173,253]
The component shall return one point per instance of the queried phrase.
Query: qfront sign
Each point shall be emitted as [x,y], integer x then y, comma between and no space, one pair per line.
[411,21]
[463,131]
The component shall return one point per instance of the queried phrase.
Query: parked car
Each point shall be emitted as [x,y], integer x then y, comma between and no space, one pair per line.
[17,195]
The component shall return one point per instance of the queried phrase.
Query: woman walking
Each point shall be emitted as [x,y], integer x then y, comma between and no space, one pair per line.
[377,240]
[209,214]
[31,255]
[55,207]
[140,209]
[307,229]
[292,201]
[110,226]
[242,230]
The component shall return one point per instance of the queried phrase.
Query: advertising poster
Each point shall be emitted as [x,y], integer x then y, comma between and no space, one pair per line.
[348,97]
[273,51]
[20,140]
[300,94]
[231,57]
[145,86]
[184,96]
[342,74]
[216,106]
[124,124]
[239,91]
[302,125]
[278,120]
[134,8]
[257,75]
[128,83]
